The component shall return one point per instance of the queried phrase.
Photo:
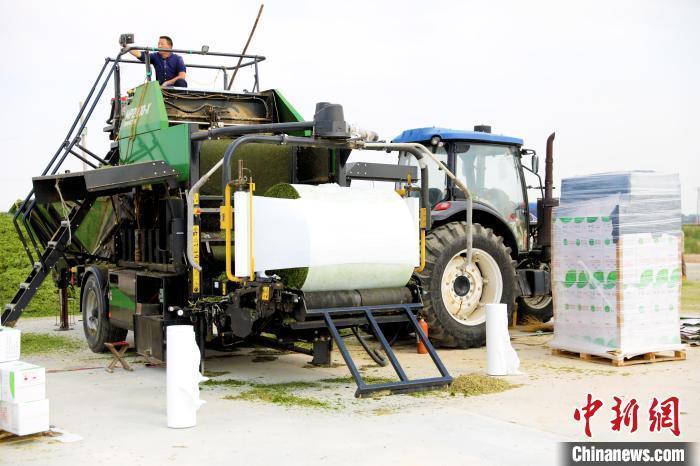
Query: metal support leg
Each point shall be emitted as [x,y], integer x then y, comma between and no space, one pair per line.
[63,297]
[63,300]
[387,347]
[322,351]
[345,353]
[429,346]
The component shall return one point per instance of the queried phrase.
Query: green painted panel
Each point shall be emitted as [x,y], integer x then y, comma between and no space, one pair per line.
[171,144]
[145,112]
[96,224]
[119,299]
[287,113]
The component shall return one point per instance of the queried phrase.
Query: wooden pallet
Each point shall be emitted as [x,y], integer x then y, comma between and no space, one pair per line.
[619,361]
[8,437]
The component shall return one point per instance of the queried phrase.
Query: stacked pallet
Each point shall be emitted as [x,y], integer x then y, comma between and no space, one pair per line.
[24,408]
[616,266]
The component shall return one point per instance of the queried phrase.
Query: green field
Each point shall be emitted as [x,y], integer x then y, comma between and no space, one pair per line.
[14,268]
[692,239]
[690,297]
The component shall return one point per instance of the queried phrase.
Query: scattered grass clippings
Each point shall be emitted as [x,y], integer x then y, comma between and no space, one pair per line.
[294,385]
[478,384]
[578,370]
[278,397]
[383,411]
[214,373]
[224,383]
[368,379]
[316,366]
[42,343]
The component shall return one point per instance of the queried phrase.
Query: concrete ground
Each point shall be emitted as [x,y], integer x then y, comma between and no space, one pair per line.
[122,416]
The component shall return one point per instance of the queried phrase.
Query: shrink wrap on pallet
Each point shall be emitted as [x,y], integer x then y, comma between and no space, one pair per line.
[616,264]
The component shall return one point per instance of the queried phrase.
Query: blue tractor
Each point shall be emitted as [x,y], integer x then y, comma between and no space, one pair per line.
[511,247]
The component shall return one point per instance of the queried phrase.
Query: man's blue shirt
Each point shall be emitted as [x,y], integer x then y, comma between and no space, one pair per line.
[166,68]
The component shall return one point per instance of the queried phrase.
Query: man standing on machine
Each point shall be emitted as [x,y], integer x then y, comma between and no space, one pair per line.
[170,67]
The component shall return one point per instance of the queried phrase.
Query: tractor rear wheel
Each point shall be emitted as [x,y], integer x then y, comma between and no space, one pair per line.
[455,293]
[94,308]
[537,307]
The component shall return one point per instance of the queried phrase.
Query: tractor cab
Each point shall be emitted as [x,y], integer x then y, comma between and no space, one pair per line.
[490,166]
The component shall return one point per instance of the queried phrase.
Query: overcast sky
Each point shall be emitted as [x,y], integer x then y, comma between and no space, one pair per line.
[619,81]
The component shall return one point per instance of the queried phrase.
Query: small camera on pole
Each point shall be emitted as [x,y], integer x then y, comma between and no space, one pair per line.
[126,39]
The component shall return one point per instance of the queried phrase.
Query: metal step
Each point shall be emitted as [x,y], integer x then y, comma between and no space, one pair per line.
[404,384]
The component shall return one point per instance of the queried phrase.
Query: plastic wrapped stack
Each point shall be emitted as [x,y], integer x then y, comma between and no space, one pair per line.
[616,264]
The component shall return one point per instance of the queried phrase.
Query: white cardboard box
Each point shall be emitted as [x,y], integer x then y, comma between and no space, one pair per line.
[9,344]
[24,418]
[21,381]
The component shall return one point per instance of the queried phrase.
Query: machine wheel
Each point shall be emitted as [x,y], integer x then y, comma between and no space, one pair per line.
[537,307]
[454,296]
[96,325]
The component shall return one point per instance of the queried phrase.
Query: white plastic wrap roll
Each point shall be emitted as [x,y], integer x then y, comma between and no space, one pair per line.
[182,377]
[501,358]
[347,238]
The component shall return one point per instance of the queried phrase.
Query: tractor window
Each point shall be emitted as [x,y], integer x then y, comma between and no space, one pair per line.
[492,174]
[436,177]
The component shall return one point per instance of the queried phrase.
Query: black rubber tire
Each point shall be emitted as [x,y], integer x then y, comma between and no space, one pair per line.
[540,313]
[106,332]
[442,244]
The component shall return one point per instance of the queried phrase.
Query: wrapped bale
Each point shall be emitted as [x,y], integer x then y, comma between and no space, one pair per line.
[327,237]
[294,277]
[616,264]
[269,164]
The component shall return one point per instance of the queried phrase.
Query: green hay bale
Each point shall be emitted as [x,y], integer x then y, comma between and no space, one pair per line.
[292,278]
[269,164]
[282,191]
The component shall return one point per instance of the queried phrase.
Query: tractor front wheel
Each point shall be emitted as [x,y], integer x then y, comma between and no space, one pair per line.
[455,293]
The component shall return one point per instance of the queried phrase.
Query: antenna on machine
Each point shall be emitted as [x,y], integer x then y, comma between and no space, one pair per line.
[245,49]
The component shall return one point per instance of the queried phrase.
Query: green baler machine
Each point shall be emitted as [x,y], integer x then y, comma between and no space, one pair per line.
[124,230]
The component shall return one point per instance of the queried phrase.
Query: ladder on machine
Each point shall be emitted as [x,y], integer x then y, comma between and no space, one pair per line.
[54,251]
[44,233]
[372,314]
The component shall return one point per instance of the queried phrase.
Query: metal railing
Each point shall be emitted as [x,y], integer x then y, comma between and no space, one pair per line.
[71,142]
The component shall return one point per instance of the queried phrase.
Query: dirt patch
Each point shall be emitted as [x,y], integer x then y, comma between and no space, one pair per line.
[264,358]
